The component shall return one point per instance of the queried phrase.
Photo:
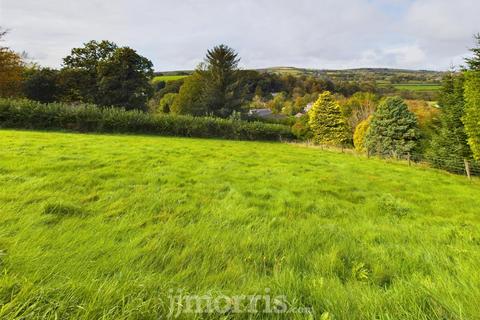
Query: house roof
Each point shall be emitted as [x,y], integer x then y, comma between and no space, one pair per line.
[260,112]
[308,107]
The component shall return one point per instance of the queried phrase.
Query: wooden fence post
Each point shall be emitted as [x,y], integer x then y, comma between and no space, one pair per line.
[467,169]
[409,160]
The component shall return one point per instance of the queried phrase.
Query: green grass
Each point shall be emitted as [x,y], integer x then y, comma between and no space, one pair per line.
[103,226]
[412,86]
[415,86]
[168,78]
[418,86]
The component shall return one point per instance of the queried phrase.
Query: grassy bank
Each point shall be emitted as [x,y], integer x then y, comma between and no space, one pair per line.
[103,226]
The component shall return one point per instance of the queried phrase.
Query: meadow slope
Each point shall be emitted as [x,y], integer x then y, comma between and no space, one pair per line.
[103,226]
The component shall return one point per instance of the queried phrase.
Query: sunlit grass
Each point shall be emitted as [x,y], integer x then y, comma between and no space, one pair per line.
[168,78]
[96,226]
[418,86]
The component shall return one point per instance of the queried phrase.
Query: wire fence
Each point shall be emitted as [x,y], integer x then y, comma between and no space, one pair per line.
[453,164]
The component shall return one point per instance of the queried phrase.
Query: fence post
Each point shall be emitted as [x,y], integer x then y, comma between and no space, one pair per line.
[467,169]
[409,160]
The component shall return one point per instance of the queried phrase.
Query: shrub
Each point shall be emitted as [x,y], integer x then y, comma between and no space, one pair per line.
[166,103]
[301,129]
[360,134]
[26,114]
[358,107]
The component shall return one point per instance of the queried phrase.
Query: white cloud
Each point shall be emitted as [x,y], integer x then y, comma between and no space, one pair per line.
[408,56]
[306,33]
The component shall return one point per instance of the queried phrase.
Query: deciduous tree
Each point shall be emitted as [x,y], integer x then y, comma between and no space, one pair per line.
[80,76]
[124,80]
[42,85]
[358,107]
[189,99]
[11,70]
[104,74]
[166,103]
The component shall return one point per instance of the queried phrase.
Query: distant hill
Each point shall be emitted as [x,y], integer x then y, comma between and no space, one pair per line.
[379,75]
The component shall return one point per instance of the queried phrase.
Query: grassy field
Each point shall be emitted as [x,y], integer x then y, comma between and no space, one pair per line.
[412,86]
[103,226]
[168,78]
[418,86]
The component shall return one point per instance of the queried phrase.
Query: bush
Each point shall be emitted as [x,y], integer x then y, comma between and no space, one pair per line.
[301,129]
[360,134]
[26,114]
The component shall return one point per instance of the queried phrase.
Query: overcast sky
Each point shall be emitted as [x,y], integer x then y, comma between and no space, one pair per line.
[174,34]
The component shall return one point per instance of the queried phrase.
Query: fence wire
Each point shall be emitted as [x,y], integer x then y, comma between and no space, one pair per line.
[453,164]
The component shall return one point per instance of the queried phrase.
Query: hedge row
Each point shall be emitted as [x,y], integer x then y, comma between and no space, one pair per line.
[26,114]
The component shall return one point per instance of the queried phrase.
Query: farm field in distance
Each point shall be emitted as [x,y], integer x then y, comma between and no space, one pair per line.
[417,86]
[103,226]
[168,78]
[380,75]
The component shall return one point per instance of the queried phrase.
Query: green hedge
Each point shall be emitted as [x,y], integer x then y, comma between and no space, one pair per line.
[26,114]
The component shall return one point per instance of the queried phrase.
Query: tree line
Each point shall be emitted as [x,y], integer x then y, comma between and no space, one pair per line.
[106,74]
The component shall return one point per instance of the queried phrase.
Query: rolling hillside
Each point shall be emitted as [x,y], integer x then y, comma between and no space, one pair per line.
[400,79]
[108,226]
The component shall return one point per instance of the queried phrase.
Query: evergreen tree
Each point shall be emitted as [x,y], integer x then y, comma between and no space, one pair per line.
[474,62]
[326,121]
[393,129]
[222,93]
[472,111]
[449,144]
